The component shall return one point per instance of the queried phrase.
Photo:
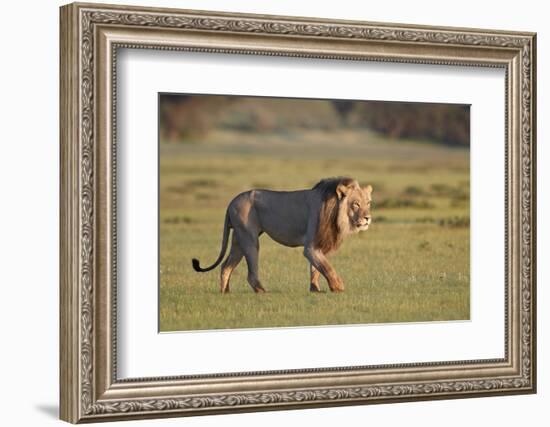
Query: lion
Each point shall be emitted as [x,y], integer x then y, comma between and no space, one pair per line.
[317,219]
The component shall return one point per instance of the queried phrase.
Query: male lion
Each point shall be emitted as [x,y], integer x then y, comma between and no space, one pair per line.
[317,219]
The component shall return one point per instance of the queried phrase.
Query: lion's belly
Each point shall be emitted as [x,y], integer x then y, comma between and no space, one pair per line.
[286,240]
[282,216]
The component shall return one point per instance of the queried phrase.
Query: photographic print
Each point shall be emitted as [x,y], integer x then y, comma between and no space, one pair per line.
[282,212]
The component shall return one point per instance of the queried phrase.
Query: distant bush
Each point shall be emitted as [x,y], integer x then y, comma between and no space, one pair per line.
[413,190]
[186,118]
[445,123]
[394,203]
[456,194]
[455,222]
[177,220]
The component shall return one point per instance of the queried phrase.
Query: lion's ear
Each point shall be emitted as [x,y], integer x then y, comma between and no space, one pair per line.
[368,189]
[342,191]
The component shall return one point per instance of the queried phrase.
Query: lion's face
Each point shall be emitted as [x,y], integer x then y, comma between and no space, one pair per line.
[357,202]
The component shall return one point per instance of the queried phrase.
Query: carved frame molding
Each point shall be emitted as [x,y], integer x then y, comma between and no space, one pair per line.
[90,37]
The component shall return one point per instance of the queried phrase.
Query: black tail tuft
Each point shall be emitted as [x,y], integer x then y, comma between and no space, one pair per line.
[196,265]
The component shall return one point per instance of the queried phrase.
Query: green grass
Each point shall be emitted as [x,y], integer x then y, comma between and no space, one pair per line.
[411,265]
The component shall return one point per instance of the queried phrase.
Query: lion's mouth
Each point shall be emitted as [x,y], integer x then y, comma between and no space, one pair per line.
[364,225]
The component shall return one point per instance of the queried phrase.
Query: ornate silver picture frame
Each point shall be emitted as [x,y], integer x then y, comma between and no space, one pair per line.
[91,34]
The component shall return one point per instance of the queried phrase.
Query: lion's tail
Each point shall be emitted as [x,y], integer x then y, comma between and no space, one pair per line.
[225,239]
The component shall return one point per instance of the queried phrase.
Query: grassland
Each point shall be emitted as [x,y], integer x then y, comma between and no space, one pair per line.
[413,264]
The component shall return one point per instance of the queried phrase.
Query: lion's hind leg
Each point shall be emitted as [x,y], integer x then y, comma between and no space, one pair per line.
[252,256]
[249,243]
[246,233]
[234,258]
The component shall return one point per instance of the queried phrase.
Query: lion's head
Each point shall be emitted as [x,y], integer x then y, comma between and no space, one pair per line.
[354,204]
[345,209]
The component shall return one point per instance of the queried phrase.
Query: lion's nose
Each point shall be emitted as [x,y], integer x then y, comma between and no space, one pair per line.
[368,219]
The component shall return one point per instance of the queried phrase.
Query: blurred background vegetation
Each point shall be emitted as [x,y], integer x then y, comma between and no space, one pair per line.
[413,264]
[187,118]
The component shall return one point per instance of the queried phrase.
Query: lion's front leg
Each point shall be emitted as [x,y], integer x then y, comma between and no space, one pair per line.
[314,281]
[322,264]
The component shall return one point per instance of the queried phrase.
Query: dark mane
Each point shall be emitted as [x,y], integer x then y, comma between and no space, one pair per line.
[328,186]
[329,236]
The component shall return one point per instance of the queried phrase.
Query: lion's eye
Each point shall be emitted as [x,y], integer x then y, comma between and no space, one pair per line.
[355,205]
